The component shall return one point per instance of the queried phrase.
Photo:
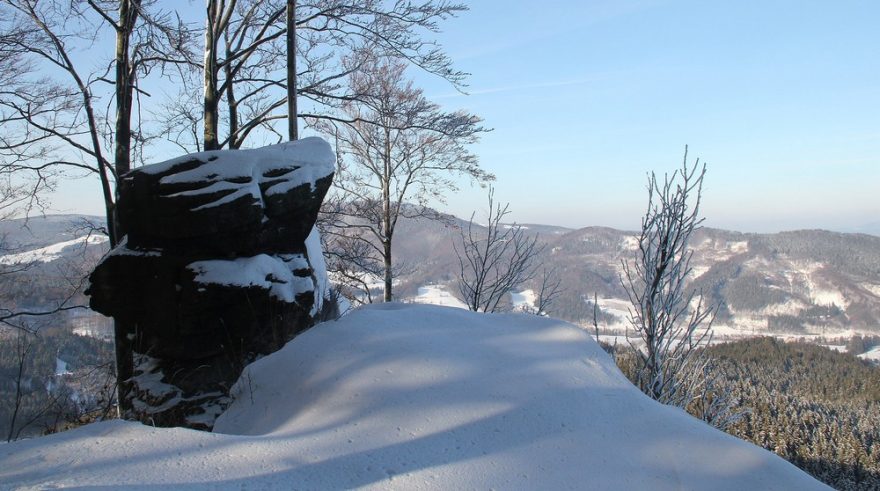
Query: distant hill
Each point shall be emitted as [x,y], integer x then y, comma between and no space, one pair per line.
[872,228]
[807,282]
[40,231]
[799,283]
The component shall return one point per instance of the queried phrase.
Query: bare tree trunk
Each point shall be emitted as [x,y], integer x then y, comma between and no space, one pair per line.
[22,353]
[124,365]
[122,344]
[293,133]
[386,245]
[128,13]
[234,141]
[210,78]
[387,230]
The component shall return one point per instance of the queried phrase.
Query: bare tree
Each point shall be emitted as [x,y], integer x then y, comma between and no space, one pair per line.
[670,318]
[398,151]
[292,111]
[246,32]
[56,117]
[261,55]
[23,178]
[350,256]
[22,349]
[494,260]
[52,113]
[548,290]
[54,106]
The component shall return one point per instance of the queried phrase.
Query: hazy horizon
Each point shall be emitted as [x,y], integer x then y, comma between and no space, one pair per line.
[866,228]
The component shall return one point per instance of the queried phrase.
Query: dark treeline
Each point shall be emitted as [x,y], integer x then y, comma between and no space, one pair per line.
[52,380]
[817,408]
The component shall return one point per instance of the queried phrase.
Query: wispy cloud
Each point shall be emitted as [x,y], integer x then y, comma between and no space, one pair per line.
[514,88]
[553,21]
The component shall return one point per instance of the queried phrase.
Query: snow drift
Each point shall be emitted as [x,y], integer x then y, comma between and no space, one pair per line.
[403,396]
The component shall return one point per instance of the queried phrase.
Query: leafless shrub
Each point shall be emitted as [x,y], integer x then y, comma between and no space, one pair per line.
[549,289]
[671,319]
[495,260]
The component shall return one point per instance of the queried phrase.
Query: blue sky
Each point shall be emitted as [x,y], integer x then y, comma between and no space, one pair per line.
[780,98]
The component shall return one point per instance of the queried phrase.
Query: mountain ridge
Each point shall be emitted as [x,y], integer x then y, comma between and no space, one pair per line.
[808,282]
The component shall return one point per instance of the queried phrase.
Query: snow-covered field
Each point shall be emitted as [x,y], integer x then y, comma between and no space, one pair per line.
[524,301]
[403,396]
[52,252]
[619,308]
[872,355]
[438,295]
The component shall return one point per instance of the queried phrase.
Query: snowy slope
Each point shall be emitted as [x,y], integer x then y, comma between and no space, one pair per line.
[871,355]
[402,396]
[52,252]
[438,295]
[524,301]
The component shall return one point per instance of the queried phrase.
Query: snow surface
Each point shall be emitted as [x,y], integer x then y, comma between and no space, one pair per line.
[403,396]
[629,243]
[122,250]
[874,289]
[319,269]
[52,252]
[61,368]
[438,295]
[617,307]
[263,271]
[524,300]
[309,152]
[872,355]
[241,172]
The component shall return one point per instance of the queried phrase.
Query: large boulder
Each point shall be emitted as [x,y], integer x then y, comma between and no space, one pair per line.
[239,202]
[220,264]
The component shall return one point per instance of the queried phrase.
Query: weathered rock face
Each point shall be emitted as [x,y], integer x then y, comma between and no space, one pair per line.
[221,264]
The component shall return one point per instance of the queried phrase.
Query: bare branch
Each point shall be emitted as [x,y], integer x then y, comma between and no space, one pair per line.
[495,259]
[670,319]
[396,152]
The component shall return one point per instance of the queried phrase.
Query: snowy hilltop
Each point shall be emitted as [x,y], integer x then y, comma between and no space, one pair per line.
[400,396]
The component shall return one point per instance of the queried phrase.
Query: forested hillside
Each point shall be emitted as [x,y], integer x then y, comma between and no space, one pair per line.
[817,408]
[56,367]
[51,380]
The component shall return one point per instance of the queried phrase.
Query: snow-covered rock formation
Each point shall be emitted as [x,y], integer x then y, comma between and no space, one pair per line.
[400,396]
[218,266]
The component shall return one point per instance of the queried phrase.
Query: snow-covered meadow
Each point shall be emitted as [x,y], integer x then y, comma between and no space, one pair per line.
[52,252]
